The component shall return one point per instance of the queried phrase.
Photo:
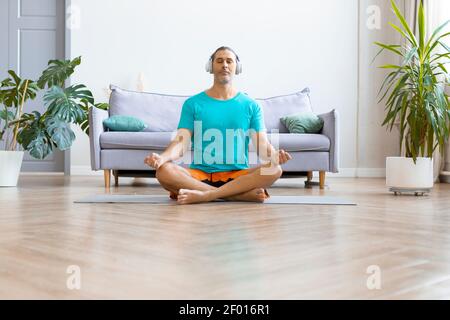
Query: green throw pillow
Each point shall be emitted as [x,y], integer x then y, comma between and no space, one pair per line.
[304,122]
[124,123]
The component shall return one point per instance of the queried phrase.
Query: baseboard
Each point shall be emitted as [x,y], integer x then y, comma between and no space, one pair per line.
[343,172]
[358,173]
[371,172]
[41,173]
[84,171]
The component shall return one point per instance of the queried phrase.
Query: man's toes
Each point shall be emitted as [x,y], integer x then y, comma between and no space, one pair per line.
[261,195]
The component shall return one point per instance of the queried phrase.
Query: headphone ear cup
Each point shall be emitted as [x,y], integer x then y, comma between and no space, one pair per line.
[208,66]
[238,68]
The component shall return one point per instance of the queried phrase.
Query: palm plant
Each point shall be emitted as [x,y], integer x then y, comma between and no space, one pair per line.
[40,133]
[415,89]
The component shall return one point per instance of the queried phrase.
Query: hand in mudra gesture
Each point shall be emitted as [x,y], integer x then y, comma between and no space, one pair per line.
[154,160]
[283,157]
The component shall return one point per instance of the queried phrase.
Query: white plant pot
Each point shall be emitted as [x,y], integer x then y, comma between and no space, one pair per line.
[10,164]
[403,173]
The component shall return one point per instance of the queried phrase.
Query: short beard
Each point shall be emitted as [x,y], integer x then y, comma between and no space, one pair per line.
[224,81]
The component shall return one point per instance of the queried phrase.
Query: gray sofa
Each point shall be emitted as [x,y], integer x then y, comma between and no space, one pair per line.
[123,153]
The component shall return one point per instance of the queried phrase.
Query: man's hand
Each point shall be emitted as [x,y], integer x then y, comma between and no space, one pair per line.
[154,160]
[283,157]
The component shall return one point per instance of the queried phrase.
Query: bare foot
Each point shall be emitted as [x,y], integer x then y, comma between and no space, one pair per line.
[173,195]
[186,196]
[255,195]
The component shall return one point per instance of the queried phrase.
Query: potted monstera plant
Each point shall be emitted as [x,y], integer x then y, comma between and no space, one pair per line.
[414,93]
[35,132]
[14,92]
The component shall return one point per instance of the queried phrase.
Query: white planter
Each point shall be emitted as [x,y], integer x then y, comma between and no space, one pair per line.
[402,173]
[10,163]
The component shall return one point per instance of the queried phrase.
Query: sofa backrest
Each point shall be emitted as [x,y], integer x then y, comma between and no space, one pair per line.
[162,112]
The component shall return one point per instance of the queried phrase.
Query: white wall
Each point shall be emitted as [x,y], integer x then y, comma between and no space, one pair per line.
[284,45]
[374,142]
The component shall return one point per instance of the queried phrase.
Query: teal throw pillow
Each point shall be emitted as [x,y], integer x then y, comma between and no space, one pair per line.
[124,123]
[304,122]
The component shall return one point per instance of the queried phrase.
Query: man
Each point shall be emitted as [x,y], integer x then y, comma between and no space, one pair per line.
[221,171]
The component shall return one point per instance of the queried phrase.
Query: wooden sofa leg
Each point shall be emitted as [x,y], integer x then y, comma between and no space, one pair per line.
[107,174]
[116,178]
[309,176]
[322,179]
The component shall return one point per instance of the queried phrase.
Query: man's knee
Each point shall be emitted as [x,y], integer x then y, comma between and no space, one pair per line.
[273,172]
[277,172]
[165,171]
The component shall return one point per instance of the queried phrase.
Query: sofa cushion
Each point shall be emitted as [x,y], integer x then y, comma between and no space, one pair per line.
[299,142]
[160,140]
[277,107]
[161,112]
[136,140]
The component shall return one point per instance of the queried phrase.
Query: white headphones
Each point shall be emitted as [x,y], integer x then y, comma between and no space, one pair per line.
[209,64]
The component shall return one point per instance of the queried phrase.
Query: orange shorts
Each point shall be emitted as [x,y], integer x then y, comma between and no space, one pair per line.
[216,179]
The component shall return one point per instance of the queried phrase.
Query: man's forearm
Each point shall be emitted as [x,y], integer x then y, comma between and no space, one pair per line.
[267,152]
[175,150]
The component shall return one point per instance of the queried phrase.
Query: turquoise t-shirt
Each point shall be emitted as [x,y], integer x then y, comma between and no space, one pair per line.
[221,130]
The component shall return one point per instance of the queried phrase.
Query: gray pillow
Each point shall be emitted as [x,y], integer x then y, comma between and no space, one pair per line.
[276,107]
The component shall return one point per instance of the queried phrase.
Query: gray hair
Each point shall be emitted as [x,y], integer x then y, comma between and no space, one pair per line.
[224,48]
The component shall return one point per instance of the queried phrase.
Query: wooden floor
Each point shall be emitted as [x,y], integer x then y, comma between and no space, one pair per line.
[222,250]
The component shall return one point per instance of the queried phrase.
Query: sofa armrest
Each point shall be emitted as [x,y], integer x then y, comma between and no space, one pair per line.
[96,128]
[331,130]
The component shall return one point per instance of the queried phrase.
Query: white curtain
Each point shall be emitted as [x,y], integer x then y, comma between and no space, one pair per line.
[439,13]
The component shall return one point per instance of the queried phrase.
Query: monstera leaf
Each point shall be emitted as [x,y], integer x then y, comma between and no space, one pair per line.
[40,146]
[67,104]
[84,124]
[12,90]
[4,85]
[57,72]
[6,115]
[33,136]
[40,134]
[60,133]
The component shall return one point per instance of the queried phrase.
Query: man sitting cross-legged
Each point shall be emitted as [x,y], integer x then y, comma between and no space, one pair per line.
[220,122]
